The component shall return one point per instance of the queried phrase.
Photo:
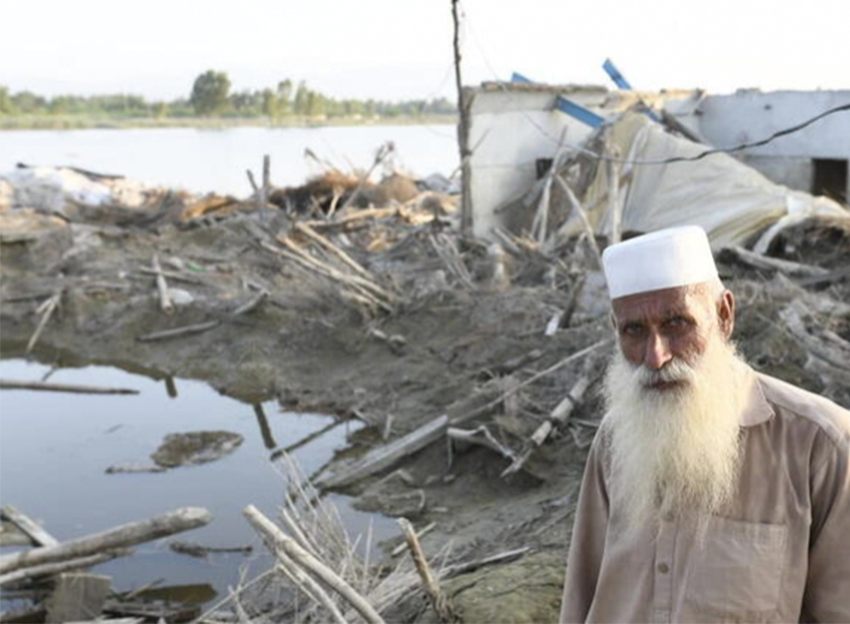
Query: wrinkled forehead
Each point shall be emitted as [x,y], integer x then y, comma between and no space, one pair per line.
[682,300]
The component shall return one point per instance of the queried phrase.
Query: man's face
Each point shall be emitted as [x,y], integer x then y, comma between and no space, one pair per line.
[658,327]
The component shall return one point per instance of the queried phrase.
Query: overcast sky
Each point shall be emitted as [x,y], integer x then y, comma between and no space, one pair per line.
[402,49]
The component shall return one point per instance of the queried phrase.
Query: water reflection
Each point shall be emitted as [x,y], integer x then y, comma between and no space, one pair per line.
[54,450]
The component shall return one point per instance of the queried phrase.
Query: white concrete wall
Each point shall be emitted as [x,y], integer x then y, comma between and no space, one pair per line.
[748,116]
[509,131]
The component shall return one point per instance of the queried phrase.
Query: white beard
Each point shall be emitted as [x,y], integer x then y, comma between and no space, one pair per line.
[676,450]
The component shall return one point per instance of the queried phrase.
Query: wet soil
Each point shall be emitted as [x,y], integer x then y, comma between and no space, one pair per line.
[313,350]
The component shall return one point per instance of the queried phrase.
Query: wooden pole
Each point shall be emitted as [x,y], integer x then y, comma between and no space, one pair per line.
[49,569]
[438,599]
[8,384]
[120,537]
[162,287]
[46,310]
[462,132]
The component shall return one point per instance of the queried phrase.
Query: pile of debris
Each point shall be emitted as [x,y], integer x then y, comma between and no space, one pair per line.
[476,362]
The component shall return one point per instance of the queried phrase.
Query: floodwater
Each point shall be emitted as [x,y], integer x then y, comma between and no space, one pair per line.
[55,449]
[202,160]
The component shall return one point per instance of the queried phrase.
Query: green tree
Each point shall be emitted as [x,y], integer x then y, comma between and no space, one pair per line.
[209,93]
[7,106]
[284,97]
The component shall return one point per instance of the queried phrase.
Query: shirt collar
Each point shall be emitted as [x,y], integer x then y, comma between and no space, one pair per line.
[757,410]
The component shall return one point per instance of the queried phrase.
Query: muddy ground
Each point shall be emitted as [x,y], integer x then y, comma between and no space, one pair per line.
[446,346]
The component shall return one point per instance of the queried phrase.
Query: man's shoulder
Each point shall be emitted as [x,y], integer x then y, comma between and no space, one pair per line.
[790,401]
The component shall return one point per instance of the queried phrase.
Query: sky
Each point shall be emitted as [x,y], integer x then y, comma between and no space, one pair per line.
[402,49]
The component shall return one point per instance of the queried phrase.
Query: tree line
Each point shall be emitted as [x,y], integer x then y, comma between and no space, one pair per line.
[211,96]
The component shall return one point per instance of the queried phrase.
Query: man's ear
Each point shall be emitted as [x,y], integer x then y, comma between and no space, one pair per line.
[726,313]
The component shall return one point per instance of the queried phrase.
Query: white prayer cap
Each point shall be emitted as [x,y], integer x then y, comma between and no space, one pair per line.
[664,259]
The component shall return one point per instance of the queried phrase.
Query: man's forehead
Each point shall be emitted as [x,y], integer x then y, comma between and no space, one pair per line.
[656,302]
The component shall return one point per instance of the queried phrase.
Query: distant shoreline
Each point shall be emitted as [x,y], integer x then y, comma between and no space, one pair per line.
[92,122]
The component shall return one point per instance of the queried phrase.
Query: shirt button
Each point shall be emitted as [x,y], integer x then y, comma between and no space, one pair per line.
[663,568]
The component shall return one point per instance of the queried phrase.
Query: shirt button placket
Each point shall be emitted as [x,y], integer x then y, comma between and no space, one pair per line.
[663,564]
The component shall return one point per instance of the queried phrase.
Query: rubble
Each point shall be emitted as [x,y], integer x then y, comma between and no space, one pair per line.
[365,301]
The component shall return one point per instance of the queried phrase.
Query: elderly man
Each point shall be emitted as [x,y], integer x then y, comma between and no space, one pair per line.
[712,493]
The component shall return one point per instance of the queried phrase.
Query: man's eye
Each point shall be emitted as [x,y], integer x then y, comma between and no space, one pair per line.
[677,322]
[632,329]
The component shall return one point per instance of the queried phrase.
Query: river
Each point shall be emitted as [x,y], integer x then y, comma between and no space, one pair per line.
[203,160]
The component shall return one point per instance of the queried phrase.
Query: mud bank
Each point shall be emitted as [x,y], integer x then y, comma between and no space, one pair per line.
[457,329]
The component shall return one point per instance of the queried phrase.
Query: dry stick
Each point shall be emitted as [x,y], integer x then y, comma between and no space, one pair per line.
[46,310]
[309,586]
[303,559]
[175,276]
[541,217]
[8,384]
[366,282]
[324,242]
[49,569]
[362,296]
[250,305]
[576,204]
[361,285]
[179,331]
[419,534]
[126,535]
[775,264]
[382,153]
[463,568]
[162,287]
[438,599]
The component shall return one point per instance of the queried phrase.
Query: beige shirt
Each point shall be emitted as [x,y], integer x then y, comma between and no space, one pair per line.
[781,555]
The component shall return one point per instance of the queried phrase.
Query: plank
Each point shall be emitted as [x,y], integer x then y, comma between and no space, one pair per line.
[27,526]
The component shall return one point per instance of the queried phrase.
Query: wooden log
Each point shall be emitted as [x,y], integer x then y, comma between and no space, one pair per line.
[10,384]
[182,519]
[759,261]
[77,597]
[385,456]
[165,302]
[309,586]
[35,532]
[10,535]
[439,601]
[300,557]
[51,569]
[177,332]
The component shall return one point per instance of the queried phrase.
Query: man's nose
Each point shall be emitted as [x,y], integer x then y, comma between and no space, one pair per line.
[657,352]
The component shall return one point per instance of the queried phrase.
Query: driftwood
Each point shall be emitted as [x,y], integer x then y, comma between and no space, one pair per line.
[252,304]
[339,253]
[759,261]
[438,599]
[51,569]
[470,566]
[77,597]
[123,536]
[558,416]
[480,436]
[9,384]
[177,332]
[165,302]
[36,533]
[278,540]
[46,310]
[385,150]
[383,457]
[309,586]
